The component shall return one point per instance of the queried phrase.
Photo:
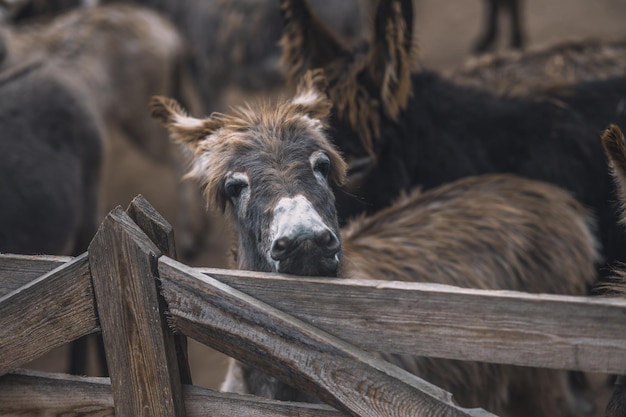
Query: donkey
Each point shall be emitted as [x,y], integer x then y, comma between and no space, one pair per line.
[51,153]
[400,126]
[534,70]
[115,58]
[615,149]
[487,41]
[51,162]
[271,168]
[119,56]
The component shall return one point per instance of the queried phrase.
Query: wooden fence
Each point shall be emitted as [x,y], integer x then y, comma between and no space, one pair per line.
[129,287]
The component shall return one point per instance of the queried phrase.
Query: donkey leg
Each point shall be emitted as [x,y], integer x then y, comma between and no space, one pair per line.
[487,40]
[517,32]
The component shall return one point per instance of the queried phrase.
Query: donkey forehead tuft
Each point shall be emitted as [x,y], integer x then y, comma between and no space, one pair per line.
[272,120]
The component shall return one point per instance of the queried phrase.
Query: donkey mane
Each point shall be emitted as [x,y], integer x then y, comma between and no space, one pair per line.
[351,100]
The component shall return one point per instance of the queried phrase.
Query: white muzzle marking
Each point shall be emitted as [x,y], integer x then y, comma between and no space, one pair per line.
[292,216]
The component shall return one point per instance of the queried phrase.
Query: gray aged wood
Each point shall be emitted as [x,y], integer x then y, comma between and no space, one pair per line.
[37,394]
[161,233]
[47,312]
[140,350]
[18,270]
[562,332]
[297,353]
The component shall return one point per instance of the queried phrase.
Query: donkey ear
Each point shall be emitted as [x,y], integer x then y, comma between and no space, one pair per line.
[615,149]
[183,128]
[311,97]
[393,54]
[306,43]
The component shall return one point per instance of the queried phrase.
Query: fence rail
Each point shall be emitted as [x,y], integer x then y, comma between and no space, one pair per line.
[128,283]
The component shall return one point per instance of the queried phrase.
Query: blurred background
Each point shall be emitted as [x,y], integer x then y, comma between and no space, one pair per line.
[235,67]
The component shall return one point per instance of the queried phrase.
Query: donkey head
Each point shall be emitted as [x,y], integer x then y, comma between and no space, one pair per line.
[367,84]
[270,167]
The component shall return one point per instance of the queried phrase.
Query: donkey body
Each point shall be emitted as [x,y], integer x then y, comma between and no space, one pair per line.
[114,58]
[535,70]
[50,164]
[420,129]
[119,56]
[272,167]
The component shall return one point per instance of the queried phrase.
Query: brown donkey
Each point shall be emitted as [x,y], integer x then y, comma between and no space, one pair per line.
[271,168]
[116,57]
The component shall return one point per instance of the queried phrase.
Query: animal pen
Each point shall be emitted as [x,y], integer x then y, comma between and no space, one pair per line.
[313,333]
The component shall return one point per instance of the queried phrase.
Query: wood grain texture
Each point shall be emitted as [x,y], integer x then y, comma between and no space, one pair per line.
[39,394]
[298,354]
[140,353]
[562,332]
[159,230]
[18,270]
[47,312]
[161,233]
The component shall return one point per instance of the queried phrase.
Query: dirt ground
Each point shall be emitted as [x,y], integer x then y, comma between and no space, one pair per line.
[446,31]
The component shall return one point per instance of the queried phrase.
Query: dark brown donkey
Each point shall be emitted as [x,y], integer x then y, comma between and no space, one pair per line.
[271,167]
[422,130]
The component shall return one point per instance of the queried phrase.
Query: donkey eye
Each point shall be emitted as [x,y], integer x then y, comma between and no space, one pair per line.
[322,165]
[234,187]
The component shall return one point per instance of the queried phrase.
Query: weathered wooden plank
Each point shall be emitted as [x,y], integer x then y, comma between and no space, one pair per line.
[28,393]
[159,230]
[161,233]
[18,270]
[297,353]
[140,353]
[578,333]
[47,312]
[36,394]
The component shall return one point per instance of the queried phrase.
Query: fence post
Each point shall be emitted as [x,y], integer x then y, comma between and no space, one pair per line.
[139,346]
[162,235]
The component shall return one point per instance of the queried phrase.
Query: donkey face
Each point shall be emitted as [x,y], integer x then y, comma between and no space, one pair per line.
[271,168]
[366,85]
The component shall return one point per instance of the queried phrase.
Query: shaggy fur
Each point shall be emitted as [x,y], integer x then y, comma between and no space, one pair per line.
[235,43]
[50,164]
[119,56]
[446,131]
[20,10]
[615,148]
[557,65]
[490,232]
[115,58]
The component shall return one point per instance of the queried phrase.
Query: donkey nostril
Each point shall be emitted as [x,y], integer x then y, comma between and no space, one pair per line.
[328,241]
[280,248]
